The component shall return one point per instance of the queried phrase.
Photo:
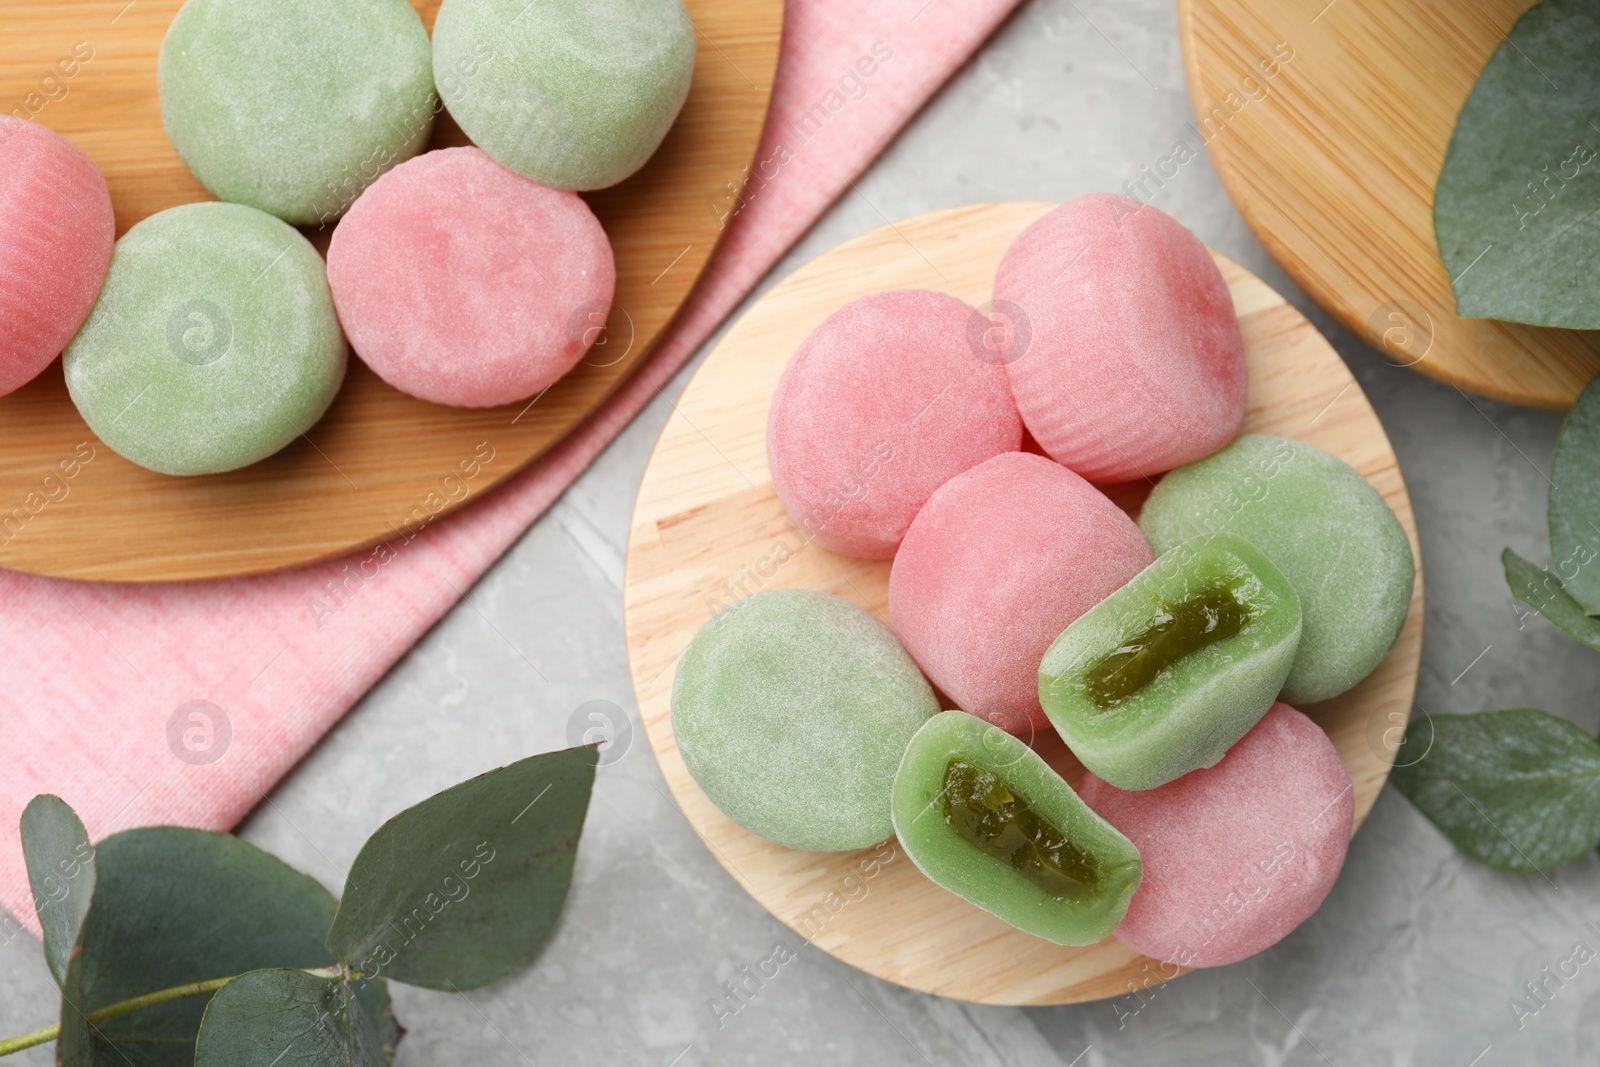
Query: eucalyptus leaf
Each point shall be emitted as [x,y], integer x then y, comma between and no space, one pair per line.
[60,862]
[463,888]
[1545,593]
[76,1045]
[1517,205]
[287,1018]
[1575,501]
[174,906]
[1517,789]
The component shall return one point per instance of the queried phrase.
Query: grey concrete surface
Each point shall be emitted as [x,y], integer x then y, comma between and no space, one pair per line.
[1414,958]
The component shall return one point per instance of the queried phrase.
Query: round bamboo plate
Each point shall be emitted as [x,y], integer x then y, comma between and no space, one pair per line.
[379,463]
[1332,161]
[707,529]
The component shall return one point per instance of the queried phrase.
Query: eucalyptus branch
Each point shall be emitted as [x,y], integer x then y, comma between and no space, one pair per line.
[506,841]
[132,1004]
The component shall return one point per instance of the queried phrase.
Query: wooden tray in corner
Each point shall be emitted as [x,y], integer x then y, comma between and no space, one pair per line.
[378,458]
[1332,161]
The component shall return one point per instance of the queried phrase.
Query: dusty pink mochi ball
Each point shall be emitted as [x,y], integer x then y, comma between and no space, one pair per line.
[56,232]
[462,283]
[996,565]
[1125,358]
[883,404]
[1237,855]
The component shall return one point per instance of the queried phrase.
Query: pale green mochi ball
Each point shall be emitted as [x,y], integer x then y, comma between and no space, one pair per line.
[792,709]
[296,106]
[214,342]
[1327,529]
[574,94]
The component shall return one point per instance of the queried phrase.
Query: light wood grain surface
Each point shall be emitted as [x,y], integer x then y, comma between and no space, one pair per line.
[708,528]
[378,459]
[1334,169]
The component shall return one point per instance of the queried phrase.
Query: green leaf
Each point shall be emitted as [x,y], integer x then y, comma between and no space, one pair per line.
[1517,207]
[463,888]
[1575,501]
[174,906]
[287,1018]
[60,863]
[1544,593]
[76,1045]
[1517,789]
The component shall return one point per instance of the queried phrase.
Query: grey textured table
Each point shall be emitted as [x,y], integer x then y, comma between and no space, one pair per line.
[1414,958]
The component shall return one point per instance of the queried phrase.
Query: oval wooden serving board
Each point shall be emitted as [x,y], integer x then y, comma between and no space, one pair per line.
[378,461]
[1332,160]
[708,528]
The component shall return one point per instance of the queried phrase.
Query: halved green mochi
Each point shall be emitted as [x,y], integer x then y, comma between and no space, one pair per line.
[981,814]
[1162,677]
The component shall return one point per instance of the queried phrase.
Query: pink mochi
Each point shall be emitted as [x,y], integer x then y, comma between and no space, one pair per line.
[994,567]
[1131,362]
[462,283]
[1237,855]
[882,404]
[56,233]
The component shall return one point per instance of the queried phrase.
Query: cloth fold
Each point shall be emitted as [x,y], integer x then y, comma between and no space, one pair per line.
[143,704]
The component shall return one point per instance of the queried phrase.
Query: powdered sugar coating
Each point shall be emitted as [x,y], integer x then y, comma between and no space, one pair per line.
[462,283]
[792,709]
[56,231]
[295,106]
[577,94]
[214,342]
[1237,855]
[881,405]
[1326,528]
[1135,363]
[996,565]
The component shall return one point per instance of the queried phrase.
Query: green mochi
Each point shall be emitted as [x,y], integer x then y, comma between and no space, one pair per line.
[1189,714]
[214,342]
[791,710]
[986,880]
[574,94]
[1323,525]
[295,106]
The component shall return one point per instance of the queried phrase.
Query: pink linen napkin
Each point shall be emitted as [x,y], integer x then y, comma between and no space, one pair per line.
[99,681]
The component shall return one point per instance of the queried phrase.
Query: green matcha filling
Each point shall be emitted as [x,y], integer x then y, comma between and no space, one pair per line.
[979,807]
[1213,615]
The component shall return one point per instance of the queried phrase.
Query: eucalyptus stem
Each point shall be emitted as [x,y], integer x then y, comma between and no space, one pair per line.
[22,1041]
[132,1004]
